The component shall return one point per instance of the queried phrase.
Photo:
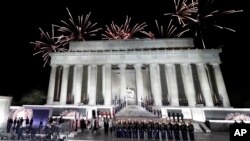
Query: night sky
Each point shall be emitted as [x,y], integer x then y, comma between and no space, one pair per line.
[21,71]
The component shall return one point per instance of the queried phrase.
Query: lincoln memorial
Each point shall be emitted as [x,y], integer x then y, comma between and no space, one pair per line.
[162,70]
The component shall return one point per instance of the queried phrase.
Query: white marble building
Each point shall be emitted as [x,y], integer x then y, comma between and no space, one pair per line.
[157,69]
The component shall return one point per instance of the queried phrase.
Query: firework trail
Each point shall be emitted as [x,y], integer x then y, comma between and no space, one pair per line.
[170,32]
[49,43]
[206,19]
[80,29]
[124,31]
[195,16]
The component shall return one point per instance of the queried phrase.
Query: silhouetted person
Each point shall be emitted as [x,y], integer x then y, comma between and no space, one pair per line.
[169,115]
[18,124]
[184,131]
[31,122]
[50,120]
[173,115]
[95,126]
[169,130]
[242,122]
[191,131]
[178,117]
[9,124]
[27,121]
[15,121]
[60,120]
[82,124]
[207,123]
[76,124]
[181,115]
[21,121]
[235,122]
[106,127]
[176,131]
[40,126]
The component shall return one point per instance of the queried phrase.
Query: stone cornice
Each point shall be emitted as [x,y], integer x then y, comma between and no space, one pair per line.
[131,44]
[135,57]
[140,52]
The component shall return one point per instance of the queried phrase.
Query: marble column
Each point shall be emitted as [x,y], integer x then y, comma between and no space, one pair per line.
[188,84]
[73,89]
[106,84]
[92,84]
[221,85]
[204,83]
[78,84]
[64,86]
[139,83]
[156,84]
[123,84]
[88,81]
[172,84]
[52,81]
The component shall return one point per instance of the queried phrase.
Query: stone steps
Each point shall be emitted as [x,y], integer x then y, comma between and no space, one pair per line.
[134,111]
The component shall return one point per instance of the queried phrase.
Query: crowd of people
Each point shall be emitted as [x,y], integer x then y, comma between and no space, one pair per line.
[154,130]
[120,106]
[173,127]
[150,109]
[16,124]
[21,128]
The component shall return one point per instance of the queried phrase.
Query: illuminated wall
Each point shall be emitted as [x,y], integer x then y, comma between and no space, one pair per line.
[4,109]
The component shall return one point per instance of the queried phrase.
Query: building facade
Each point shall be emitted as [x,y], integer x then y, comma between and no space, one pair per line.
[162,70]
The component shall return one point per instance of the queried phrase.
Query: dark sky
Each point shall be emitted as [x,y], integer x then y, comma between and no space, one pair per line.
[20,21]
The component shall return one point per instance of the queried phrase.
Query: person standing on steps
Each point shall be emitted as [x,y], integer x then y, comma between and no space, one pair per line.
[106,127]
[191,131]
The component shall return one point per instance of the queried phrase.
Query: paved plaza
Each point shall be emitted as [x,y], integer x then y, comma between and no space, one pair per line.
[214,136]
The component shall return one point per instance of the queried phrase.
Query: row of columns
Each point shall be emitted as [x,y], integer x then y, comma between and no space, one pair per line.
[155,81]
[188,83]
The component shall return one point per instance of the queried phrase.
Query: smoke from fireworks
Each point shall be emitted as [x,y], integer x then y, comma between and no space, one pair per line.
[80,29]
[49,43]
[124,31]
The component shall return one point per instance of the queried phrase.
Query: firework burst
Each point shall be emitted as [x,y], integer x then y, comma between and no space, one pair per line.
[206,19]
[195,16]
[184,11]
[124,31]
[78,30]
[49,43]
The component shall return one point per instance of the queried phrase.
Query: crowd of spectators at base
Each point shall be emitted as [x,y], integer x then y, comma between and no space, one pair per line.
[20,129]
[153,130]
[171,128]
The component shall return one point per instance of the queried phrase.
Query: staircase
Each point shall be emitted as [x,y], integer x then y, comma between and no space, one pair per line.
[134,111]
